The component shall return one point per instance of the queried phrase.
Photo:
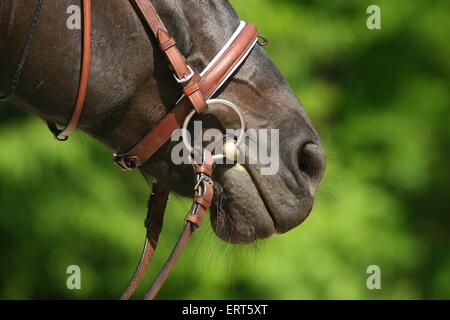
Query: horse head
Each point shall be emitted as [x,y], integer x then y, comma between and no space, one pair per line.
[131,89]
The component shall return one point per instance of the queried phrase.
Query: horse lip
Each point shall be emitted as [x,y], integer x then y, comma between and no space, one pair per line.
[260,195]
[278,222]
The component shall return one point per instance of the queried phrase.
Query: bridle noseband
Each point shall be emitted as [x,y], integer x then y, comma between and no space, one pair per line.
[198,91]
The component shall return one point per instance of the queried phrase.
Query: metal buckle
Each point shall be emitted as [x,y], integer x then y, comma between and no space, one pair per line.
[203,178]
[60,137]
[125,163]
[262,40]
[186,78]
[210,102]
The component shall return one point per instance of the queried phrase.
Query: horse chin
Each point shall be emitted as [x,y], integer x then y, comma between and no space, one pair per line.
[239,214]
[248,207]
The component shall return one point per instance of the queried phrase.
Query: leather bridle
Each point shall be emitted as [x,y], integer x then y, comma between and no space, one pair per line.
[197,89]
[63,134]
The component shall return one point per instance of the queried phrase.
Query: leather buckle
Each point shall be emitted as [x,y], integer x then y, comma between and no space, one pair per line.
[203,178]
[125,163]
[60,137]
[262,40]
[187,77]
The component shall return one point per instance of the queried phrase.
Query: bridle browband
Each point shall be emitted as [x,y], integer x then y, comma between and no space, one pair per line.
[198,89]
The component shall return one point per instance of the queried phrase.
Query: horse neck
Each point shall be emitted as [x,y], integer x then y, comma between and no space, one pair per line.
[6,18]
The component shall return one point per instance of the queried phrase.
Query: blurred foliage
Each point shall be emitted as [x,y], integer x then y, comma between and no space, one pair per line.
[380,101]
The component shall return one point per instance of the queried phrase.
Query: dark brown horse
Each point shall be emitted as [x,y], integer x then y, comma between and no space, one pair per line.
[131,90]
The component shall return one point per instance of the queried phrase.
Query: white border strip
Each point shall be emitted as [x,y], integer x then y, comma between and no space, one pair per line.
[225,48]
[238,64]
[221,53]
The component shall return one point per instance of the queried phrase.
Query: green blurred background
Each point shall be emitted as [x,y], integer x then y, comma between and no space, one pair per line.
[380,101]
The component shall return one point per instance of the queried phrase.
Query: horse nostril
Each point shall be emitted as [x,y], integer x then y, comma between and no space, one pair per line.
[312,162]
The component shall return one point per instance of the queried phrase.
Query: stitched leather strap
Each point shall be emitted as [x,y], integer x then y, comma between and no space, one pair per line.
[63,135]
[153,223]
[208,85]
[187,77]
[202,201]
[197,214]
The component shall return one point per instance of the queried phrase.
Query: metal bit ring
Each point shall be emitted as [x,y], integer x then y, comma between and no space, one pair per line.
[210,102]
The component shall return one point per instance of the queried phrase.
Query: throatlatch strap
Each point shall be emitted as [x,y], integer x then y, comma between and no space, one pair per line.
[63,135]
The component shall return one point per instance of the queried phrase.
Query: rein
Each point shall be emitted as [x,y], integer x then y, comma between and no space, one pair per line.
[197,91]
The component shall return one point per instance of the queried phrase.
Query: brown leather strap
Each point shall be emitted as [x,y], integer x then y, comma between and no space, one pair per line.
[153,223]
[184,238]
[166,42]
[208,85]
[203,197]
[173,258]
[63,135]
[192,223]
[184,74]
